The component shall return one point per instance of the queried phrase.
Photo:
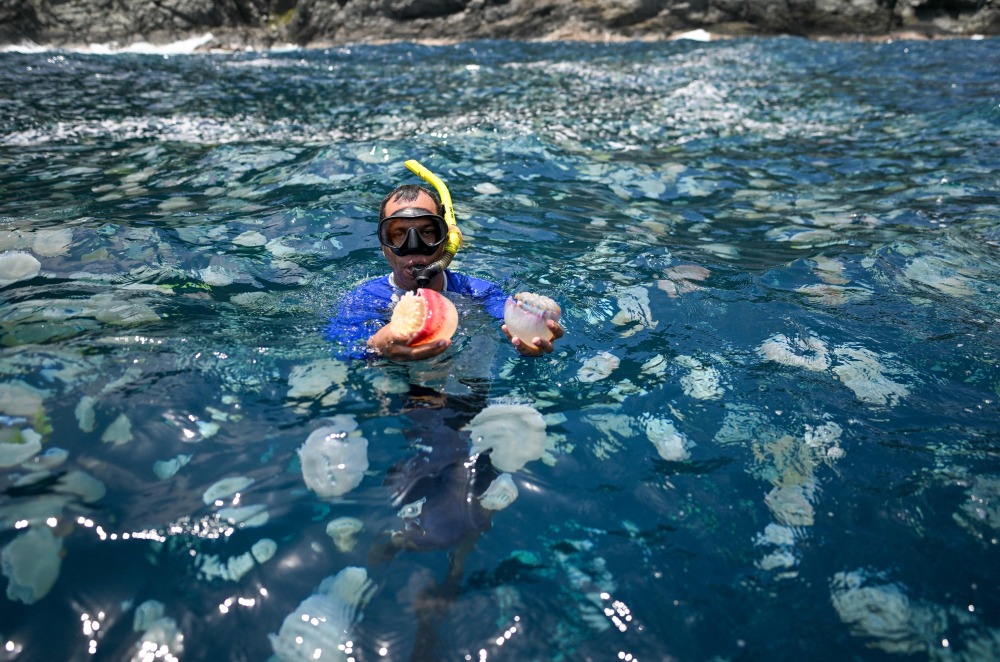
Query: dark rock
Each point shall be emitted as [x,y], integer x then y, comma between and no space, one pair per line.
[315,22]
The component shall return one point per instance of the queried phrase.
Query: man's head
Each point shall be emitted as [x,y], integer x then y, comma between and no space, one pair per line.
[408,193]
[412,233]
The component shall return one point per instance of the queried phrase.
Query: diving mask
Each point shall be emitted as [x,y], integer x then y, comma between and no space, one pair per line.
[412,230]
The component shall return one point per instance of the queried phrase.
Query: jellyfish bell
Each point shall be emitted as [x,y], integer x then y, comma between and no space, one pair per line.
[423,317]
[334,460]
[31,563]
[513,433]
[344,531]
[526,314]
[501,493]
[17,265]
[322,624]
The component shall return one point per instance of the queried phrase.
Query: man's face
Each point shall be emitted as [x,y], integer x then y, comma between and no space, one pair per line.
[402,265]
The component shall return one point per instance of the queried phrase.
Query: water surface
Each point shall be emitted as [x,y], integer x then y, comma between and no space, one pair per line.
[782,257]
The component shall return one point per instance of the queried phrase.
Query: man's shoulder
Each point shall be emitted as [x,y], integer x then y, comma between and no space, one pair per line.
[470,285]
[377,287]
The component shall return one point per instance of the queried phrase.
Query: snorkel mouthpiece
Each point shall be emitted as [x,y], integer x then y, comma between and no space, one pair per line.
[424,275]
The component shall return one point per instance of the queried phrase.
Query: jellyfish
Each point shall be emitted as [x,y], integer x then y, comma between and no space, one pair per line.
[525,315]
[322,623]
[501,493]
[424,317]
[31,562]
[333,459]
[344,531]
[515,435]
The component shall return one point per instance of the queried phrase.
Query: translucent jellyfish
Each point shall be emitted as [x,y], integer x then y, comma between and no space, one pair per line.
[486,188]
[146,614]
[264,550]
[633,304]
[50,459]
[980,511]
[211,566]
[233,569]
[679,279]
[31,562]
[829,270]
[940,275]
[702,382]
[245,517]
[85,415]
[322,624]
[669,443]
[526,314]
[318,378]
[21,400]
[883,613]
[790,504]
[515,435]
[655,367]
[825,440]
[334,459]
[19,446]
[111,309]
[226,487]
[861,372]
[15,266]
[165,469]
[216,276]
[81,484]
[158,632]
[51,243]
[501,493]
[833,295]
[251,238]
[344,532]
[598,367]
[119,432]
[809,353]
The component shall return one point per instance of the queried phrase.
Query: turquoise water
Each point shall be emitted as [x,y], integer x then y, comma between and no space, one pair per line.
[771,430]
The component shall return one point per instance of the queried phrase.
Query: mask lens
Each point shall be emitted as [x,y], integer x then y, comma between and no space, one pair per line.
[407,235]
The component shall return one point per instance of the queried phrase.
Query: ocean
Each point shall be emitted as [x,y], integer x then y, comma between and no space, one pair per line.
[770,431]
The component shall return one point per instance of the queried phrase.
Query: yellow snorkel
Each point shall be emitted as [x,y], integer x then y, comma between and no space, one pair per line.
[424,276]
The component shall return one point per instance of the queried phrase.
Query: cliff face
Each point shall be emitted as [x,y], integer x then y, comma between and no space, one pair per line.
[314,22]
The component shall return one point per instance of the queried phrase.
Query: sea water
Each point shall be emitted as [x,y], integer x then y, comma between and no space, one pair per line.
[770,432]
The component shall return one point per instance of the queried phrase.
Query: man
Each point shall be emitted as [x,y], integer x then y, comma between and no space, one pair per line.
[412,232]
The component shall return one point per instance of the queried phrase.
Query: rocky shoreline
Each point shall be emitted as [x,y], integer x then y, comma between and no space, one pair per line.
[240,24]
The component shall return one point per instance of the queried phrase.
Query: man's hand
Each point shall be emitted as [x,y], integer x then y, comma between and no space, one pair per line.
[540,346]
[393,346]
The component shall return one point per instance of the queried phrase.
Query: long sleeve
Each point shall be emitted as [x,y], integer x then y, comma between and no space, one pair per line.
[358,316]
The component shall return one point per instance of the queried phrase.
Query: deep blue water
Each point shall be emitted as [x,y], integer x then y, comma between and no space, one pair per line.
[790,248]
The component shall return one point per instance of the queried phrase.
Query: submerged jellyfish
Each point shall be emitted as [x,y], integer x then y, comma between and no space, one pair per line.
[344,531]
[515,435]
[598,367]
[320,627]
[809,352]
[15,266]
[31,562]
[501,493]
[334,458]
[670,444]
[226,487]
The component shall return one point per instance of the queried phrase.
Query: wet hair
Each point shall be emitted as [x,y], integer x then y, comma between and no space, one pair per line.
[409,193]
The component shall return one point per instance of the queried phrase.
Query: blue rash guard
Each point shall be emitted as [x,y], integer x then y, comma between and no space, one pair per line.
[366,308]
